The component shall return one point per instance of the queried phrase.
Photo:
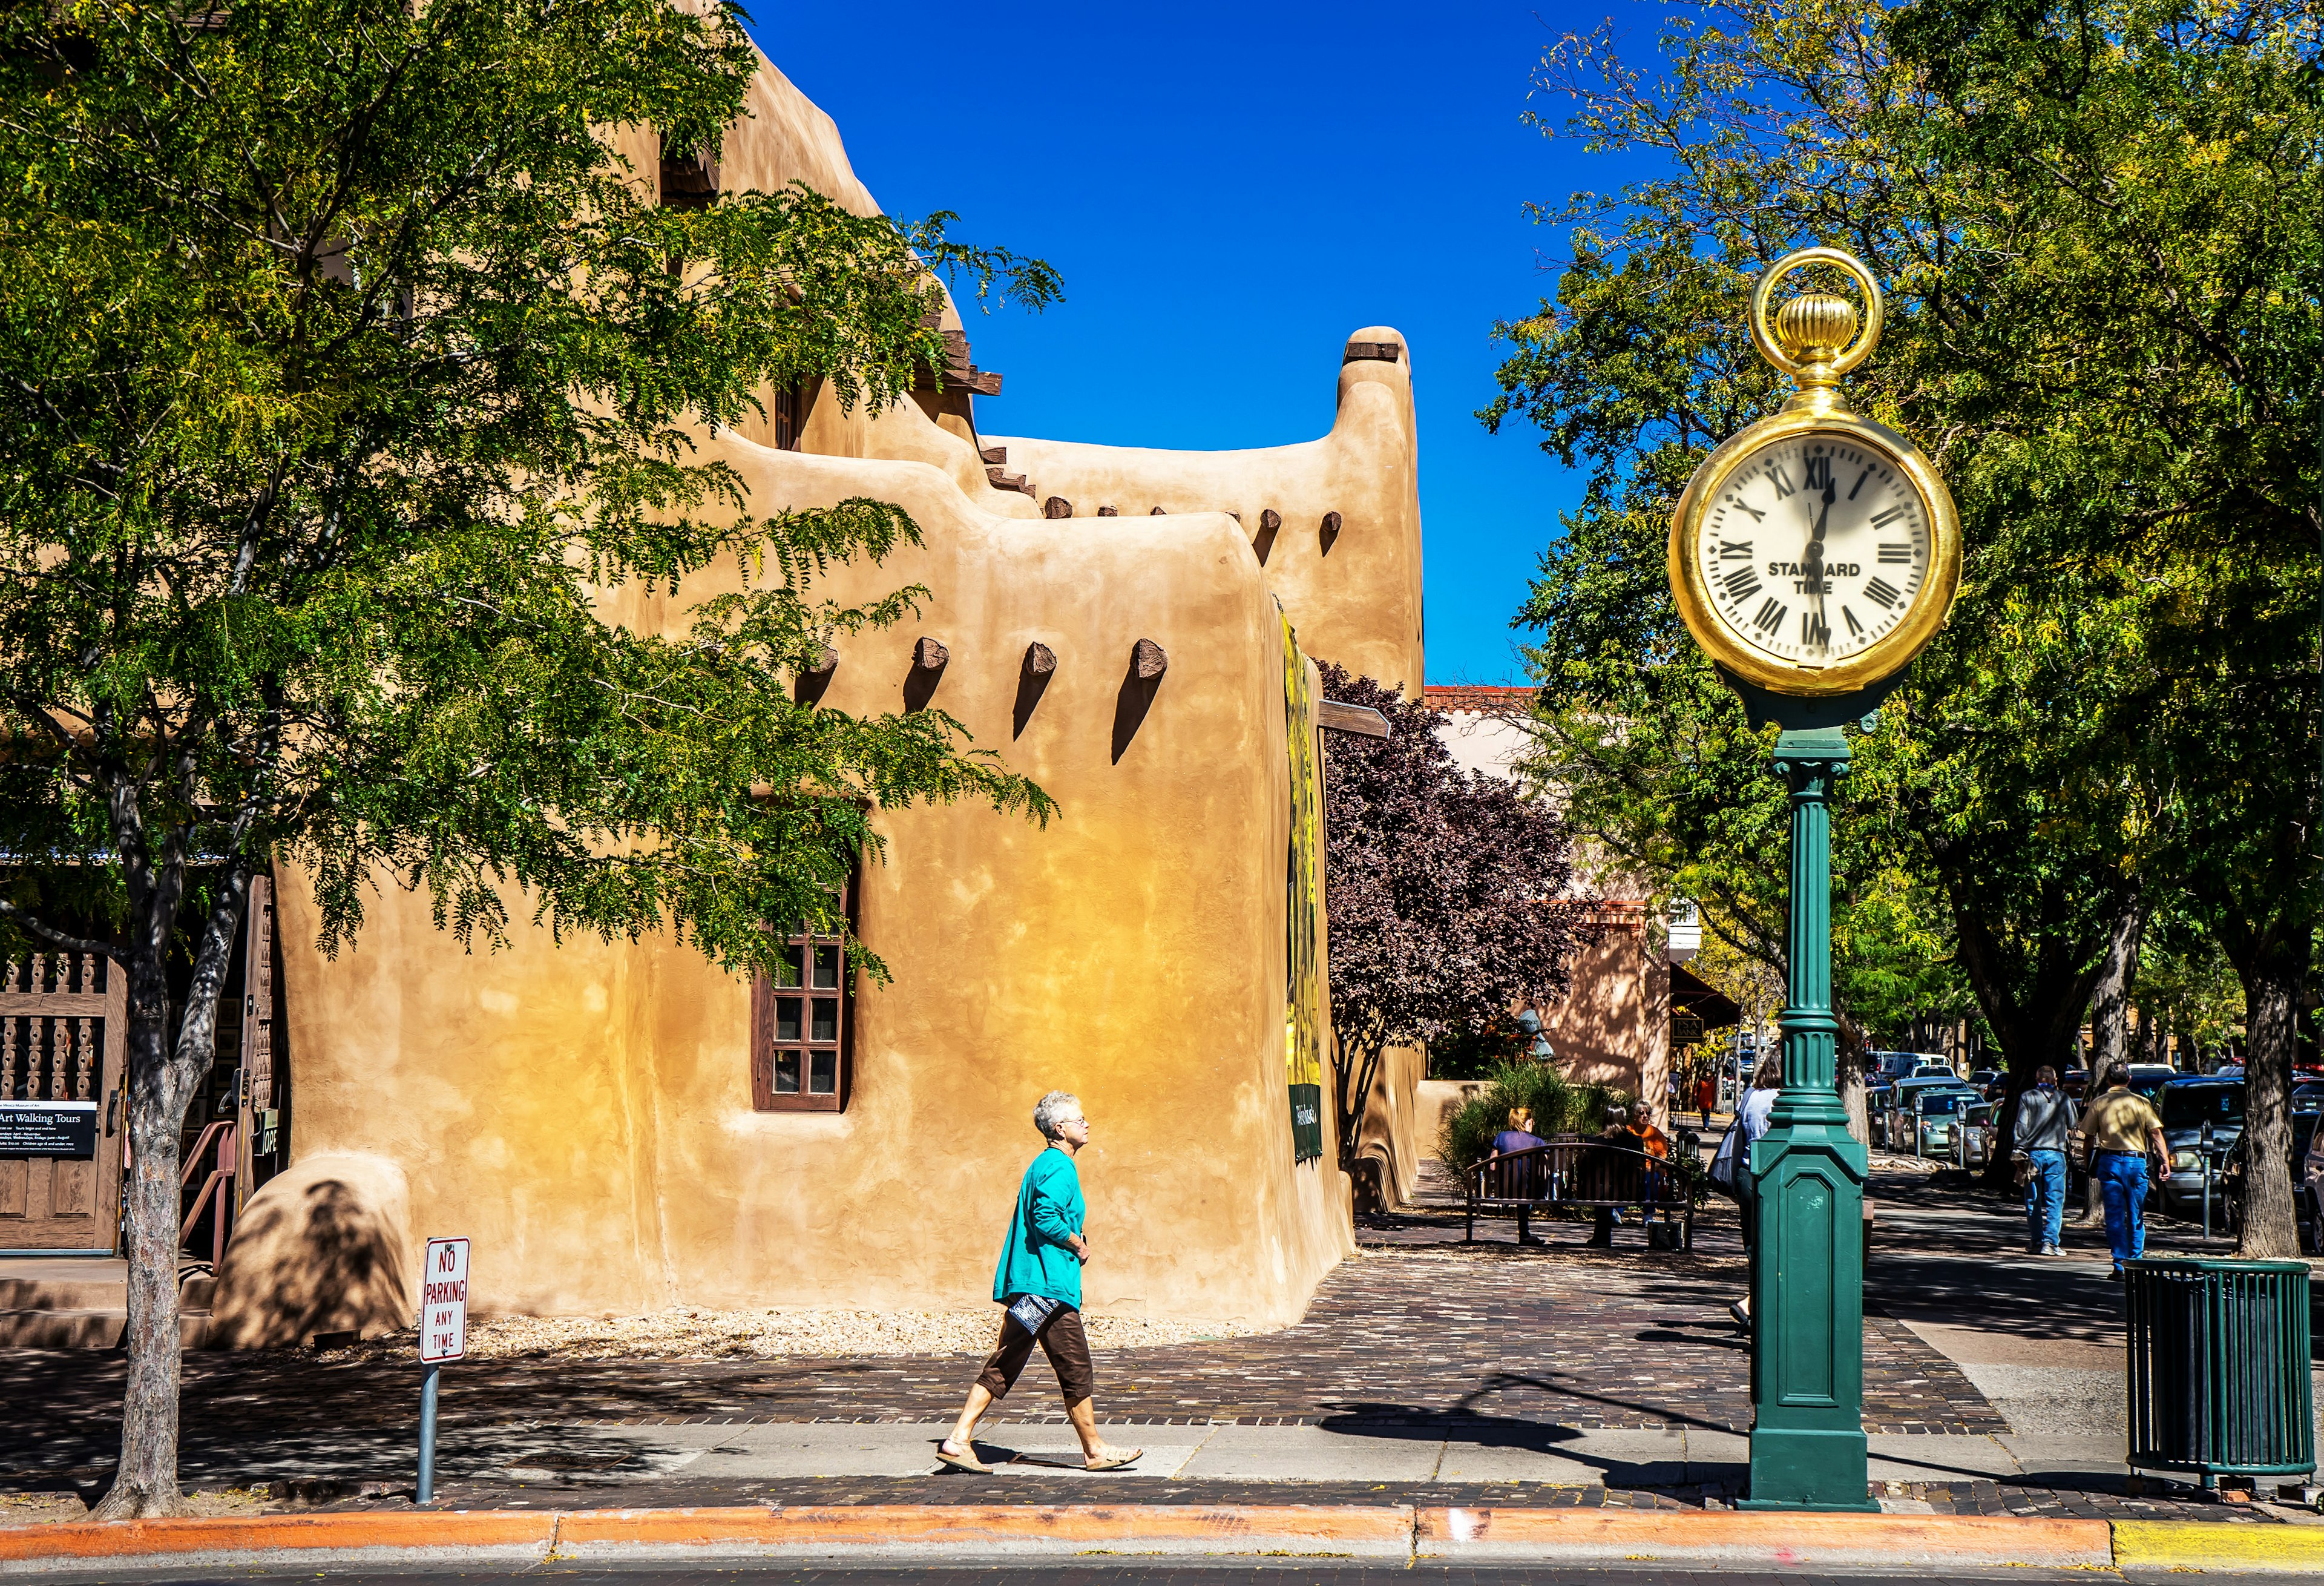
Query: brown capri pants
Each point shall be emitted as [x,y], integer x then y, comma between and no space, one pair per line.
[1061,1338]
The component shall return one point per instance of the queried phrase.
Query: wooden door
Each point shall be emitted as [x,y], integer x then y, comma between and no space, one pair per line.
[256,1107]
[64,1018]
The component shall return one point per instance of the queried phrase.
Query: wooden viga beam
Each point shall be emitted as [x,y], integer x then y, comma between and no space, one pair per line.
[1338,716]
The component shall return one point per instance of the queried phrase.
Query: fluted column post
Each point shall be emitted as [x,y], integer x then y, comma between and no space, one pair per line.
[1807,1258]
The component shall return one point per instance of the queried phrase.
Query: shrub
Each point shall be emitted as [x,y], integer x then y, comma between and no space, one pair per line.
[1558,1105]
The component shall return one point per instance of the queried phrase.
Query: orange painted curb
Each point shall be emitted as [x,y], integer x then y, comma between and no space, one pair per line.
[1765,1537]
[998,1528]
[463,1529]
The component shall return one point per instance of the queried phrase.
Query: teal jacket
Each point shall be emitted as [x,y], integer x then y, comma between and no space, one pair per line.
[1034,1259]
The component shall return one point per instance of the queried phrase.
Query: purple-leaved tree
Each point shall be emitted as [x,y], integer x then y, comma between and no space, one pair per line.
[1445,889]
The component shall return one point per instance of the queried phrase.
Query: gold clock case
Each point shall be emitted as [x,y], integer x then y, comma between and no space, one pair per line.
[1890,653]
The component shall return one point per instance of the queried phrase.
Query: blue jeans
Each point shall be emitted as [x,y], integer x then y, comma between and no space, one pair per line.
[2045,1198]
[2121,1179]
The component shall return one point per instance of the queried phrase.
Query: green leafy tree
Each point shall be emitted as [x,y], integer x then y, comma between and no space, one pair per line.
[347,373]
[2099,225]
[1447,892]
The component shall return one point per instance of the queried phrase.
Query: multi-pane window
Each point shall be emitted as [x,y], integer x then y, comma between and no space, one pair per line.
[799,1026]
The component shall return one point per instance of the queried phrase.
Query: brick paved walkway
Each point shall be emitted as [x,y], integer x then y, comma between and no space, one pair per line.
[1411,1331]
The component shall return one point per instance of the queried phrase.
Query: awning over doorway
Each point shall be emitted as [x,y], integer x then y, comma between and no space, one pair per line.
[1689,993]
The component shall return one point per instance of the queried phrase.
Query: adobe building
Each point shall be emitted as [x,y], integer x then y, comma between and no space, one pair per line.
[621,1127]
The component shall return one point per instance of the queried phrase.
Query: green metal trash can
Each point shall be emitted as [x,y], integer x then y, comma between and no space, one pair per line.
[2218,1367]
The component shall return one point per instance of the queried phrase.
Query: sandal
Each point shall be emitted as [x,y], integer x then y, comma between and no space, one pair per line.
[963,1461]
[1117,1461]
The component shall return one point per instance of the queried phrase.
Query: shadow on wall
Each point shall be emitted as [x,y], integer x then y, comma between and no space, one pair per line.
[319,1249]
[1139,684]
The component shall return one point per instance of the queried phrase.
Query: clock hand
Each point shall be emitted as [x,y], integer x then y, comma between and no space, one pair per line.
[1812,565]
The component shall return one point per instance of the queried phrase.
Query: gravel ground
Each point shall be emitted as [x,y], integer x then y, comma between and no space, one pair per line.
[692,1334]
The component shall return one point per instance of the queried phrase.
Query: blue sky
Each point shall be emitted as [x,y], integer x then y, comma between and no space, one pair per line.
[1228,191]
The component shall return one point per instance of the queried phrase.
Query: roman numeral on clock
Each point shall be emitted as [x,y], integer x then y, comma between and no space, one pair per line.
[1892,552]
[1885,516]
[1815,630]
[1770,615]
[1783,481]
[1881,593]
[1737,502]
[1855,628]
[1734,551]
[1741,585]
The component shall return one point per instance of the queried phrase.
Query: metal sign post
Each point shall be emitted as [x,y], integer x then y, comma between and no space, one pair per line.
[443,1336]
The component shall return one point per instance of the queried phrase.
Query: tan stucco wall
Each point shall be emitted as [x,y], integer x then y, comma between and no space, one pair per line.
[1391,1133]
[1434,1101]
[1613,1026]
[582,1110]
[1358,601]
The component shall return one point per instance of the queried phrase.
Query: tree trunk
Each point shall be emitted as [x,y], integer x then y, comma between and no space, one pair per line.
[146,1483]
[2110,1027]
[2272,982]
[1359,1065]
[162,1082]
[2110,999]
[1848,1076]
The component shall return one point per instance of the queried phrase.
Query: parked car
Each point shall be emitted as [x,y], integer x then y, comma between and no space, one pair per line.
[2074,1082]
[1876,1108]
[1987,1081]
[2149,1078]
[1893,1132]
[1920,1124]
[2301,1143]
[1892,1065]
[2187,1103]
[1973,1136]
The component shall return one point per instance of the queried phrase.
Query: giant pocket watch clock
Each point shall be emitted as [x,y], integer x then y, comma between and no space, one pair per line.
[1815,552]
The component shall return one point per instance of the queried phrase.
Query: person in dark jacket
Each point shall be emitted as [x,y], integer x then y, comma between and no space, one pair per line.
[2043,1118]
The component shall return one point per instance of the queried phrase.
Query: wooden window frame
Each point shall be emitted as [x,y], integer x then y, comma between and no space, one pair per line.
[767,1052]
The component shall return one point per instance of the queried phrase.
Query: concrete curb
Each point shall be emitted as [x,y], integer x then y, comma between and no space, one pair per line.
[1726,1537]
[494,1535]
[1016,1531]
[2200,1545]
[1396,1533]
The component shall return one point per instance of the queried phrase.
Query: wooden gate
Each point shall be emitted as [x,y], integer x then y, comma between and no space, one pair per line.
[64,1018]
[257,1106]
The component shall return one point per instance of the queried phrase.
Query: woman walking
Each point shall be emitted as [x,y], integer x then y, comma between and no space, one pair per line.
[1040,1279]
[1752,1116]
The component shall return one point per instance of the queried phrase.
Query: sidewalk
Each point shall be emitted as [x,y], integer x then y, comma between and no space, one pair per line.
[1426,1374]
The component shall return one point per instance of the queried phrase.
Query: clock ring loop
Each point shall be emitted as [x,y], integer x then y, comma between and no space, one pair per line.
[1867,339]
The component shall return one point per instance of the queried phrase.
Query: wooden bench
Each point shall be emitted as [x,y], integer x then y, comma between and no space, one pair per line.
[1583,1175]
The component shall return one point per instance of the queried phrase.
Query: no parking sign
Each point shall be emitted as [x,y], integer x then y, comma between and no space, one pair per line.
[444,1300]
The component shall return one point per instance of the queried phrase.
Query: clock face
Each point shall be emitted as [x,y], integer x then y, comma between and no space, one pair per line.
[1816,549]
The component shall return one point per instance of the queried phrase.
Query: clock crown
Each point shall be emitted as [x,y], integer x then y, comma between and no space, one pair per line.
[1814,329]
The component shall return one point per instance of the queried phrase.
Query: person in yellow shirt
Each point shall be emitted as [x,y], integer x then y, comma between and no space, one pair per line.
[2120,1126]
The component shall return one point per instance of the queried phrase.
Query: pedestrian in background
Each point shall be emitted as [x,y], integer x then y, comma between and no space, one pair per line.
[1040,1279]
[2121,1126]
[2043,1118]
[1706,1095]
[1752,1116]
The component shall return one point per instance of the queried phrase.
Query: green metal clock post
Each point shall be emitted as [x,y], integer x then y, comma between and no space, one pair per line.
[1808,1449]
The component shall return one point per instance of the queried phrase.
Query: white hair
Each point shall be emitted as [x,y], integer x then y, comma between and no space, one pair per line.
[1050,1110]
